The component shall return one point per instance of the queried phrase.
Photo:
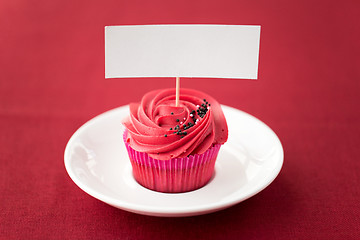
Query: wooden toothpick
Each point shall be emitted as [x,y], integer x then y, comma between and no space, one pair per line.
[177,91]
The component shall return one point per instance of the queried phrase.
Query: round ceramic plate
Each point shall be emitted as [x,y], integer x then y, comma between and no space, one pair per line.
[97,161]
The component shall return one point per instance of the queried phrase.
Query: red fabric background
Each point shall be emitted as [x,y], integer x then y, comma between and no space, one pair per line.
[52,81]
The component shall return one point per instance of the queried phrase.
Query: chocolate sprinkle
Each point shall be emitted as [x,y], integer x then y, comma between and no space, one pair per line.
[201,111]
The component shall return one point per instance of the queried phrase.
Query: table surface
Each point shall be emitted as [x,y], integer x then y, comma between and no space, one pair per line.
[52,81]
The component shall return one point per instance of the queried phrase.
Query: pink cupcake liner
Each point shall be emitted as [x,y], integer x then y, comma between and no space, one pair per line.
[175,175]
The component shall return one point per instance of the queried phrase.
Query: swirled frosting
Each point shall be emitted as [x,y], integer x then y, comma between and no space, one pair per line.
[164,131]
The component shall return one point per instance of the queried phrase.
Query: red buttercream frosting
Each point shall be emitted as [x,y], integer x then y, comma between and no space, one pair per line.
[162,130]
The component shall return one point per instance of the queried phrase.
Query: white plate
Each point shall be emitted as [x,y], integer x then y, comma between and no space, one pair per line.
[97,161]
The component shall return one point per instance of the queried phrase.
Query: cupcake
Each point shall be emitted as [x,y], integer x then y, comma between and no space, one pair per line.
[174,148]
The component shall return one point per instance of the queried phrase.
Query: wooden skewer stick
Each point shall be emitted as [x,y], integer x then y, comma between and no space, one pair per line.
[177,91]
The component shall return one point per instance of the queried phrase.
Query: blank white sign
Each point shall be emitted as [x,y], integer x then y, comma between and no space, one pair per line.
[209,51]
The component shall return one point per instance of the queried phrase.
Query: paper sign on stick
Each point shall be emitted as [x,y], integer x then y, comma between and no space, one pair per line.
[209,51]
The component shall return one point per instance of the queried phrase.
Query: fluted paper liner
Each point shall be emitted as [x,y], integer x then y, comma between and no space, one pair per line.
[174,175]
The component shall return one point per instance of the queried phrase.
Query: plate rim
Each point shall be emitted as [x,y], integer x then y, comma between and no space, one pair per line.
[167,211]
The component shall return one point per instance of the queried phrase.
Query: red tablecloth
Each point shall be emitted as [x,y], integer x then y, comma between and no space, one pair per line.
[52,81]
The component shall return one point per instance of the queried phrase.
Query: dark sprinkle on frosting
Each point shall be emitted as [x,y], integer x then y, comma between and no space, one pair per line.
[200,111]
